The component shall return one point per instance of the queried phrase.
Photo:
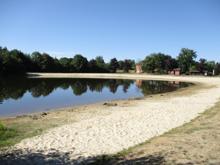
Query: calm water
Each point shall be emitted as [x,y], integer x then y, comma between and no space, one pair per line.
[21,96]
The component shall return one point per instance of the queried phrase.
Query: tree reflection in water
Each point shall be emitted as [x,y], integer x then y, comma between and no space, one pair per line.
[15,88]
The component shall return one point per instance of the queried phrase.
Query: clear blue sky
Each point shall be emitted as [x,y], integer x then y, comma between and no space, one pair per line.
[111,28]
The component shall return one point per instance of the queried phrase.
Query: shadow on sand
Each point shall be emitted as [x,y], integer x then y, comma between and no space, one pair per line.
[20,158]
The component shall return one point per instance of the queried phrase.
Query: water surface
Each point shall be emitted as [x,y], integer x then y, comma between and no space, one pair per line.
[26,95]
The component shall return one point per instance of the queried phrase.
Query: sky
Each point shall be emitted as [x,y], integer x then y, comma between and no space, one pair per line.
[111,28]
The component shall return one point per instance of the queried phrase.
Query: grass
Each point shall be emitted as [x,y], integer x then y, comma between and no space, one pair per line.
[12,132]
[6,135]
[15,129]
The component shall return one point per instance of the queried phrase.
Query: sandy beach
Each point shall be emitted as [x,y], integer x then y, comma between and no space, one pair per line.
[110,129]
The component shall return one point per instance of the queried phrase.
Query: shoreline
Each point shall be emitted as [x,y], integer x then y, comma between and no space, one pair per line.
[129,114]
[129,76]
[99,76]
[193,87]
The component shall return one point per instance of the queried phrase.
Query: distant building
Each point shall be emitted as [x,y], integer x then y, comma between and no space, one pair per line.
[139,68]
[175,72]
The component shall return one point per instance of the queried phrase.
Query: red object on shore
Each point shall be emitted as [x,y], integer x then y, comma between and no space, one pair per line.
[139,68]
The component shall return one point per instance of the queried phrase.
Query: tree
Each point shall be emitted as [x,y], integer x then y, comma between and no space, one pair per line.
[158,63]
[18,59]
[57,66]
[113,65]
[80,63]
[1,63]
[13,62]
[127,65]
[7,62]
[93,68]
[120,64]
[217,68]
[210,66]
[201,66]
[100,61]
[66,64]
[1,67]
[102,66]
[36,58]
[186,59]
[45,63]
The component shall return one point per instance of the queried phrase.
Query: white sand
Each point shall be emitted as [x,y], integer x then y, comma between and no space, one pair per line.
[123,127]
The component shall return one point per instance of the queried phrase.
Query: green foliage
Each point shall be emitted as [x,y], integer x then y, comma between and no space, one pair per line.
[6,135]
[120,64]
[15,62]
[80,63]
[1,65]
[202,65]
[66,64]
[210,66]
[100,61]
[193,68]
[126,65]
[205,66]
[217,69]
[186,59]
[158,63]
[113,65]
[93,67]
[45,63]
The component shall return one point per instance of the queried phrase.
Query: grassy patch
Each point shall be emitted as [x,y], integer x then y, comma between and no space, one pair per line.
[6,135]
[13,130]
[14,134]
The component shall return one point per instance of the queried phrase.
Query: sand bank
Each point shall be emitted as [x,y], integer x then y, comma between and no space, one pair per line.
[115,128]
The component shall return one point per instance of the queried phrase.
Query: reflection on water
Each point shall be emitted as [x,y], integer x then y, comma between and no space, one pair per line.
[23,95]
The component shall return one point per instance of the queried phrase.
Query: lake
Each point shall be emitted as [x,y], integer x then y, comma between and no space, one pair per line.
[27,95]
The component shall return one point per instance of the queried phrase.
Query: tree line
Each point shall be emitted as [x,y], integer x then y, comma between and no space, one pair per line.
[186,61]
[13,62]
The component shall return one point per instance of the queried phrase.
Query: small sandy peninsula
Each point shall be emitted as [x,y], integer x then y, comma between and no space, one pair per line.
[109,129]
